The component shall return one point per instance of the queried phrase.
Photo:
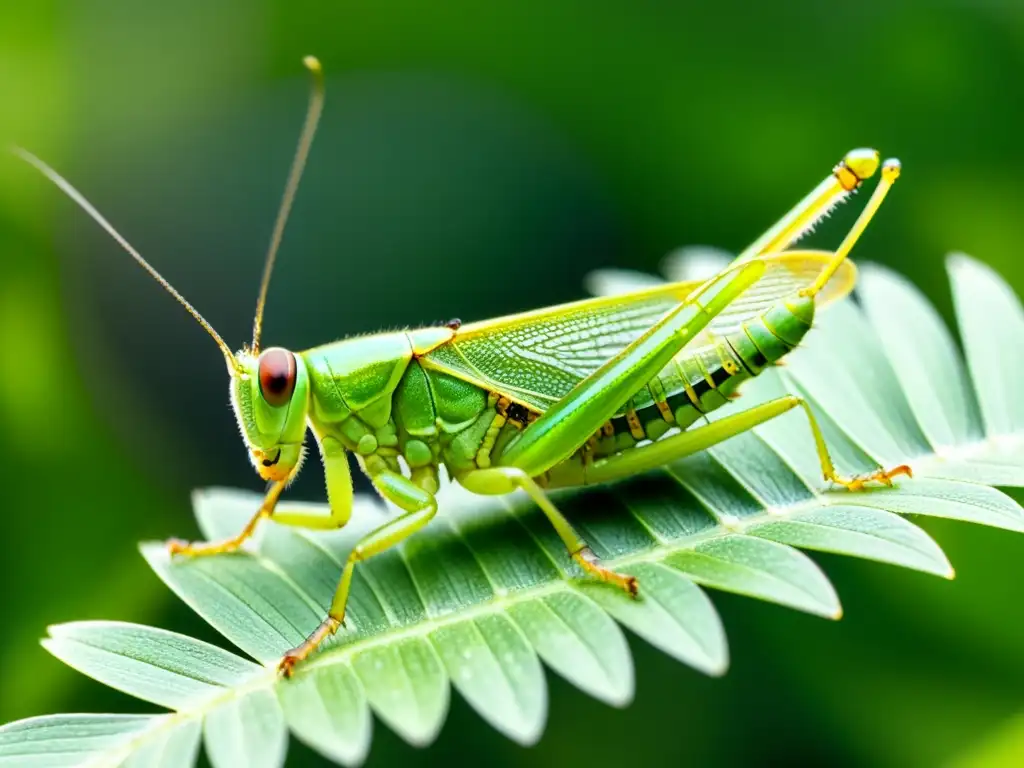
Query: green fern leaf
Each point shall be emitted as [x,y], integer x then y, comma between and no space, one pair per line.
[485,597]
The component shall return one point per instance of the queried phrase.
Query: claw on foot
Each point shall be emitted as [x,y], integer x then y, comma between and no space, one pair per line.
[177,546]
[327,627]
[588,562]
[883,476]
[287,664]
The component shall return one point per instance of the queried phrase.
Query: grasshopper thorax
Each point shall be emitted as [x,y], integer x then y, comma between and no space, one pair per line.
[270,396]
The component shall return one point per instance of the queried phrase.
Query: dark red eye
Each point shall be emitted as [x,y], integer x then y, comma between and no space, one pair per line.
[277,376]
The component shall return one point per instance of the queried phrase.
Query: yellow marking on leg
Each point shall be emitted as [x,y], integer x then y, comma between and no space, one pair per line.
[588,448]
[881,475]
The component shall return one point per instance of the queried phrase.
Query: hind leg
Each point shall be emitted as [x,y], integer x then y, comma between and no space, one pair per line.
[684,444]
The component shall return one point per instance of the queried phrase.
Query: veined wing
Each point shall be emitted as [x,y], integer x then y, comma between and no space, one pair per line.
[537,357]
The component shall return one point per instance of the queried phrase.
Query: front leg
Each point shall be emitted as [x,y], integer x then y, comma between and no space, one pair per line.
[200,548]
[339,498]
[420,507]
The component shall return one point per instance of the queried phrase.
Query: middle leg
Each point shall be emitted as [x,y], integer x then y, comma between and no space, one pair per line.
[502,480]
[420,507]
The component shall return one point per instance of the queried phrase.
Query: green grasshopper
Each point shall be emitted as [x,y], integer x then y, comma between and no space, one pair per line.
[578,394]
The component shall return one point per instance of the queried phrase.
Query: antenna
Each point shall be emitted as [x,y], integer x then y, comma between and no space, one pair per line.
[85,205]
[316,105]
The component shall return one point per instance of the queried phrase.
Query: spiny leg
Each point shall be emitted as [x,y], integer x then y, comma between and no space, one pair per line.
[420,507]
[856,166]
[890,172]
[501,480]
[678,446]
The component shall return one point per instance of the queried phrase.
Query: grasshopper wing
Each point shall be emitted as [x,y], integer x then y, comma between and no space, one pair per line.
[537,357]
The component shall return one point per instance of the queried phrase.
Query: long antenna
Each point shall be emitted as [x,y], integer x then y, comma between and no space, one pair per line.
[85,205]
[316,105]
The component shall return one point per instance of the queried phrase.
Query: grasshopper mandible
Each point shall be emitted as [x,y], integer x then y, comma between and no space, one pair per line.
[582,393]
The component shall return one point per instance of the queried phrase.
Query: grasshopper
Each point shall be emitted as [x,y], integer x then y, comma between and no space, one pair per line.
[582,393]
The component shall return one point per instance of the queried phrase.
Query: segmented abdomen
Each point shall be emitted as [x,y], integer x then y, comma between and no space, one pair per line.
[697,382]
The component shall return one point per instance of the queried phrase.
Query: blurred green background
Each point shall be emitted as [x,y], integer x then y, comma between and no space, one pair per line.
[476,159]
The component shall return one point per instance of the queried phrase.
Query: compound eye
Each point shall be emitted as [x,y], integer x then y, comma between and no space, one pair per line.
[277,376]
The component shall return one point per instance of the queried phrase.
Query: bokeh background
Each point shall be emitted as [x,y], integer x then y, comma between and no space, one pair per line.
[476,159]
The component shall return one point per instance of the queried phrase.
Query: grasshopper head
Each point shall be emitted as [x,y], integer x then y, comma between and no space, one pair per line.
[269,391]
[270,395]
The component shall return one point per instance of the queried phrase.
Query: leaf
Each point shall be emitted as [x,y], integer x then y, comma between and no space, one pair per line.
[924,357]
[992,322]
[407,686]
[492,664]
[486,596]
[175,745]
[58,740]
[581,642]
[154,665]
[252,603]
[760,568]
[862,532]
[674,615]
[326,708]
[248,730]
